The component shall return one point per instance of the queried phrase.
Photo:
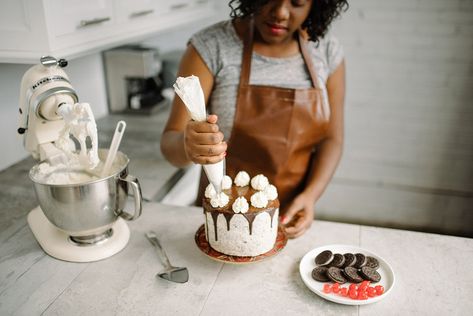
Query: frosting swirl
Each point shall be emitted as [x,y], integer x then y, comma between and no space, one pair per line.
[240,205]
[226,183]
[259,199]
[210,191]
[242,179]
[259,182]
[219,200]
[271,192]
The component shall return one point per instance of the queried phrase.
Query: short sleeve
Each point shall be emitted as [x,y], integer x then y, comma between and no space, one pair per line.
[335,54]
[205,46]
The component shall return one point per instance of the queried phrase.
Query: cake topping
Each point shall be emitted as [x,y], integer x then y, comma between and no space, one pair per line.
[259,200]
[226,183]
[210,191]
[219,200]
[271,192]
[242,179]
[259,182]
[240,205]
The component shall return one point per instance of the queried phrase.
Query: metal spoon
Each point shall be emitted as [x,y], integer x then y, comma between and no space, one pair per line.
[170,273]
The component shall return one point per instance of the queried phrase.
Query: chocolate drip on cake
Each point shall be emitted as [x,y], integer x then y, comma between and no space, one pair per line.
[250,217]
[214,218]
[271,214]
[228,217]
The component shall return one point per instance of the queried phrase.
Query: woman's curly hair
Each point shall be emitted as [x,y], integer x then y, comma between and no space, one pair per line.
[322,13]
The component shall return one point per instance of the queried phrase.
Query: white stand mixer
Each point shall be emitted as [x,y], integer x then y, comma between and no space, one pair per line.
[44,88]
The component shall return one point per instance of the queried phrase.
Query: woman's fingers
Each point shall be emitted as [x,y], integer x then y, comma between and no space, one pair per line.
[206,138]
[207,150]
[302,222]
[204,142]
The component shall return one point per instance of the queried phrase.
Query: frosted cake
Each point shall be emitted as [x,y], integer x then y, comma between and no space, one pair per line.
[242,220]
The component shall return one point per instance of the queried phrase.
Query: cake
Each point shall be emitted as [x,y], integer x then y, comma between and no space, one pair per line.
[242,220]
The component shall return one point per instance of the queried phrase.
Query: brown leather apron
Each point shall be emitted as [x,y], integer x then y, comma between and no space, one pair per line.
[275,130]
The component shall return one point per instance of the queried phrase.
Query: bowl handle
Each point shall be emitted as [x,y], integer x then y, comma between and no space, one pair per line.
[135,185]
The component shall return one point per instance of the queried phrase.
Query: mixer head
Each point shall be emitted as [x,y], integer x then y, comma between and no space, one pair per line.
[44,88]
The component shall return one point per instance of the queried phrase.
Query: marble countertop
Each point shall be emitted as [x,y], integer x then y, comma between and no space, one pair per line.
[433,274]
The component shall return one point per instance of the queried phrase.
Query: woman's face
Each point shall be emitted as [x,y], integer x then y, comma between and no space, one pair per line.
[277,20]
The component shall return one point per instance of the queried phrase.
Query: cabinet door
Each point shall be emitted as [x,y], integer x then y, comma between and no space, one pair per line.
[69,16]
[22,27]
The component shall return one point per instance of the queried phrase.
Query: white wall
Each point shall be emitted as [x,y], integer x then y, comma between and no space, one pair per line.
[408,157]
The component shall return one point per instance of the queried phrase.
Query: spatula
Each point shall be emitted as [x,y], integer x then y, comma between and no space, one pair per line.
[170,273]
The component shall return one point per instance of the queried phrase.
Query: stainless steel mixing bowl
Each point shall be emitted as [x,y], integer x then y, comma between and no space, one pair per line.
[91,208]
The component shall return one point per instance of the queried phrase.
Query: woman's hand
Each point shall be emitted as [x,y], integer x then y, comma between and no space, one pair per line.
[203,142]
[299,216]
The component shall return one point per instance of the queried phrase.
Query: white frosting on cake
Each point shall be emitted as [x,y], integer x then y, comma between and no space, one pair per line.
[242,179]
[271,192]
[219,200]
[259,182]
[259,200]
[237,241]
[226,183]
[210,191]
[240,205]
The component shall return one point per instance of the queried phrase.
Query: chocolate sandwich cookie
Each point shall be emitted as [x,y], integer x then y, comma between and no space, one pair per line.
[320,274]
[360,260]
[337,261]
[351,274]
[370,274]
[372,262]
[335,274]
[350,260]
[324,258]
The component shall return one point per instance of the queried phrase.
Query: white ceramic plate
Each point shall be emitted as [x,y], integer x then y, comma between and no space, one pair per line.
[308,264]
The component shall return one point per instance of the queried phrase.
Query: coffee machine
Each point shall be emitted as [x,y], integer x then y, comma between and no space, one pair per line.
[134,82]
[74,222]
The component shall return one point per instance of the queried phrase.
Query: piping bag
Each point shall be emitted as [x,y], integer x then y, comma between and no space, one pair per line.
[190,92]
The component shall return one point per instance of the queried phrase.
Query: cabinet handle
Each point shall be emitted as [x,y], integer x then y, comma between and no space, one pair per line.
[85,23]
[141,13]
[179,6]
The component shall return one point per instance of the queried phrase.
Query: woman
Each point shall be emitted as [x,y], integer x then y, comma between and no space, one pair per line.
[276,89]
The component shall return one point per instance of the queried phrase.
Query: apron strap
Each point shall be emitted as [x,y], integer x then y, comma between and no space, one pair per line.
[248,52]
[308,61]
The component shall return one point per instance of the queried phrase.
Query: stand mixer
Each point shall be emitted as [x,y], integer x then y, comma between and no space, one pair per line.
[79,222]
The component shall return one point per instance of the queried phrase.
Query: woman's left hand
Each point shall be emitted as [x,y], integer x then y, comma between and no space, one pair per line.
[299,216]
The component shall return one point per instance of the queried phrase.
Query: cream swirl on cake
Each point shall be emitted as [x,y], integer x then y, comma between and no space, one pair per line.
[226,183]
[259,200]
[240,205]
[242,179]
[219,200]
[259,182]
[271,192]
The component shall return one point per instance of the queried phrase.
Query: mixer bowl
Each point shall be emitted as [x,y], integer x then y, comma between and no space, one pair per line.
[89,208]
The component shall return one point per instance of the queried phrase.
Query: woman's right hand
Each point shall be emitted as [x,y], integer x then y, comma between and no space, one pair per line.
[203,142]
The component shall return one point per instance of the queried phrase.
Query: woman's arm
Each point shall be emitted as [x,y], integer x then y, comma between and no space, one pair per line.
[325,162]
[184,140]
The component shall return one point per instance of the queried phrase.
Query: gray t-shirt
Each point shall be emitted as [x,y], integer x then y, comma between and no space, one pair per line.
[221,49]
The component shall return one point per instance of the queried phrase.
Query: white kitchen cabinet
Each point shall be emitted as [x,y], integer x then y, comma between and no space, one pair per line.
[73,28]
